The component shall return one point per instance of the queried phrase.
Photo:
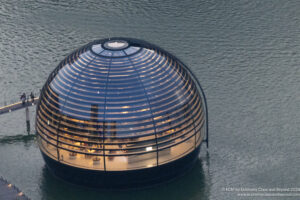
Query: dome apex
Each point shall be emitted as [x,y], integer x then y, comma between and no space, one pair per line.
[115,44]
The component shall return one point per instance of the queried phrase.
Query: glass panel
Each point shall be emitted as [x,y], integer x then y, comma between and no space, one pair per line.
[118,53]
[114,163]
[48,148]
[88,161]
[198,139]
[200,136]
[131,50]
[177,151]
[130,145]
[97,48]
[118,107]
[106,53]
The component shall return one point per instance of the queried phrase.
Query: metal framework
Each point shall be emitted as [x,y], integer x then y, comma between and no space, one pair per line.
[121,104]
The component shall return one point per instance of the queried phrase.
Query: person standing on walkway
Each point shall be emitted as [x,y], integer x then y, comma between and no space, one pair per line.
[23,98]
[32,97]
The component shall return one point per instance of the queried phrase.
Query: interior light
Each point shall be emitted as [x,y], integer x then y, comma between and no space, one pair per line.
[149,148]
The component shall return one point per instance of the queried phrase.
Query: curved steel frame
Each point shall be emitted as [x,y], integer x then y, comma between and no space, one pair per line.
[145,45]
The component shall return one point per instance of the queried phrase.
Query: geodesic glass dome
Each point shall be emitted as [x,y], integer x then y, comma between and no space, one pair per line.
[119,105]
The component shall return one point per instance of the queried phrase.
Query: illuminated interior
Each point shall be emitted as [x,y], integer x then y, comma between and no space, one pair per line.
[119,106]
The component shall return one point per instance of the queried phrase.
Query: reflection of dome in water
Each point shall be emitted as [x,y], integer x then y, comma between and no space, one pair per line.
[120,113]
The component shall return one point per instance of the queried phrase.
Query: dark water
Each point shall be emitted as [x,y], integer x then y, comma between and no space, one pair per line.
[245,54]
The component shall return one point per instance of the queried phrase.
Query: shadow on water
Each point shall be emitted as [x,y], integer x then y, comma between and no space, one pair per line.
[193,185]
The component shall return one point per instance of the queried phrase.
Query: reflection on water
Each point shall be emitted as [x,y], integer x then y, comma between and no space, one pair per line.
[193,185]
[26,139]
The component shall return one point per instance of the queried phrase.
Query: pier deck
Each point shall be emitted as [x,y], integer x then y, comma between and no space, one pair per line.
[17,106]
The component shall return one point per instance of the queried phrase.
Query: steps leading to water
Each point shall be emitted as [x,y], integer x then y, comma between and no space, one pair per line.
[10,192]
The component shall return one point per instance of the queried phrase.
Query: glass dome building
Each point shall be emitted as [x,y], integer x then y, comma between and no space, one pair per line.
[120,113]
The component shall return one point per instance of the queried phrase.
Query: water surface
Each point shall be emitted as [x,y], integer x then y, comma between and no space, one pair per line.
[245,54]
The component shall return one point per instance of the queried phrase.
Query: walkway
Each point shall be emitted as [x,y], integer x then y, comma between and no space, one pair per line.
[17,106]
[10,192]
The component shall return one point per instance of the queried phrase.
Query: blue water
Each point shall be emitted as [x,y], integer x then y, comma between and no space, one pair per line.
[244,53]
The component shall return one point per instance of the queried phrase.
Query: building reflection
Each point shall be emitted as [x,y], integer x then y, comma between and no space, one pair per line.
[194,184]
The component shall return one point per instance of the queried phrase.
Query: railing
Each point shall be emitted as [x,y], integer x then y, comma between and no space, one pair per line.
[15,104]
[5,102]
[25,103]
[18,105]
